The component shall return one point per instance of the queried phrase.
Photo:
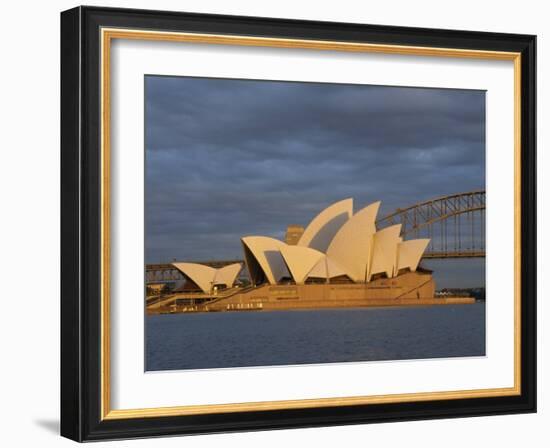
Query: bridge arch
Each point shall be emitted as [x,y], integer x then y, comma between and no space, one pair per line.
[454,223]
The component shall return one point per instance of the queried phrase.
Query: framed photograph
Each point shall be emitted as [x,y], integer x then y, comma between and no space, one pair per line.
[273,223]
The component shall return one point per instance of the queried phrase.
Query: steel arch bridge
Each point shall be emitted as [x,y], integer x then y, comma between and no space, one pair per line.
[455,224]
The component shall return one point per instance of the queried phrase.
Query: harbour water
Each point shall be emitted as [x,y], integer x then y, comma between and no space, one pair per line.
[256,338]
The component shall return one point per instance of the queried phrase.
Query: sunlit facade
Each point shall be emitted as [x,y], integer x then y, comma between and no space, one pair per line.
[339,260]
[335,244]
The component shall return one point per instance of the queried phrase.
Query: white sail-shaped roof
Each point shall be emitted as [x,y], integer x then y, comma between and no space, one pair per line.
[326,268]
[300,260]
[321,230]
[410,252]
[351,247]
[264,253]
[228,274]
[384,253]
[334,244]
[203,276]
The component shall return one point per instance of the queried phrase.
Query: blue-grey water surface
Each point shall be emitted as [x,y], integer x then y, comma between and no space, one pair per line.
[242,339]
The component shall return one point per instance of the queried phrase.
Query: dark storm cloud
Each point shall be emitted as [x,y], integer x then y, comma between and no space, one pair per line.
[227,158]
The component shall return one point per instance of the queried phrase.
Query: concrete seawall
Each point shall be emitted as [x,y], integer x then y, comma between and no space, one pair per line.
[410,289]
[309,304]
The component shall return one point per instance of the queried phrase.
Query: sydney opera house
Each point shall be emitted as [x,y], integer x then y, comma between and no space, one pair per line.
[339,260]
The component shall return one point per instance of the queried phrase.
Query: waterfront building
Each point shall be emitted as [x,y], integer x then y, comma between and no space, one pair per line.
[340,259]
[293,234]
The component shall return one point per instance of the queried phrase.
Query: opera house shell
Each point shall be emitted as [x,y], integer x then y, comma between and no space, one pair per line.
[340,260]
[335,244]
[208,278]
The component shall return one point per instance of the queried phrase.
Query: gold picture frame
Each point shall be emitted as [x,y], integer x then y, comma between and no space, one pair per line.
[119,25]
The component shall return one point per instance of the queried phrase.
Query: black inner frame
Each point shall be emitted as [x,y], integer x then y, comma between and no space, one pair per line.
[81,224]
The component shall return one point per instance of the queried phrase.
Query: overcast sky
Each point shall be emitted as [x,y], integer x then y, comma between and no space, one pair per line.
[229,158]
